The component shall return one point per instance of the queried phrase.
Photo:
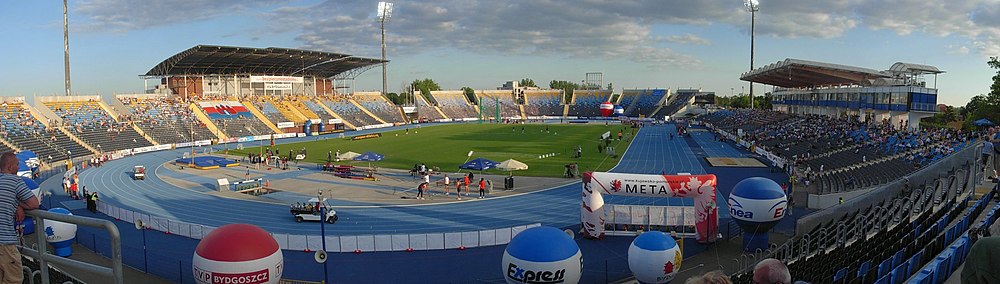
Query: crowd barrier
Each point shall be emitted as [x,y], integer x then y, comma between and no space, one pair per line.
[365,243]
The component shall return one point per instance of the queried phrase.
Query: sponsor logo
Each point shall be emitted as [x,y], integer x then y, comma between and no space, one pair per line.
[531,276]
[736,209]
[260,276]
[616,185]
[367,136]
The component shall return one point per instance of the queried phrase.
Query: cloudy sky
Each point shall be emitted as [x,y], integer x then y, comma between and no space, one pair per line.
[635,43]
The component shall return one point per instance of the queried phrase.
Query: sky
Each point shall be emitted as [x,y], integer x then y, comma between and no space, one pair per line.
[481,44]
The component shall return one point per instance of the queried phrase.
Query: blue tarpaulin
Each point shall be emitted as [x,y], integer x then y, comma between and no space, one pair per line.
[983,122]
[369,157]
[479,164]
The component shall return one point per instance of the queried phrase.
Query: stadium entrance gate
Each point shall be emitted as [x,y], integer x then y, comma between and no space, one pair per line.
[699,187]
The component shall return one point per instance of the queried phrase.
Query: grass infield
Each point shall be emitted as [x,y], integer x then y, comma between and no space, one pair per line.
[447,147]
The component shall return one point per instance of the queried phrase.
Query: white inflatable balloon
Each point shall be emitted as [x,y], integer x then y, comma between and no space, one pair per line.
[654,257]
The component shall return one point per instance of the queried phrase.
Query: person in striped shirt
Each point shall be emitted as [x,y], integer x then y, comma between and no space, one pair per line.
[15,197]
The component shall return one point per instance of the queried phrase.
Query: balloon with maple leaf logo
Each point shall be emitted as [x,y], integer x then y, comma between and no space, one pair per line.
[654,257]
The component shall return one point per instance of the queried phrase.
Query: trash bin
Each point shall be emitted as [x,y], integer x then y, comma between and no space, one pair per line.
[508,183]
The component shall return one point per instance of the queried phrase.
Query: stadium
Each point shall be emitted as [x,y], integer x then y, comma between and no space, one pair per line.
[267,165]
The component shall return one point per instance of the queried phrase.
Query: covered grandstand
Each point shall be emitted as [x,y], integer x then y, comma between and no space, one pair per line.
[899,94]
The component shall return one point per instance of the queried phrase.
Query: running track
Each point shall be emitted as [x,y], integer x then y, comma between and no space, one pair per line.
[652,152]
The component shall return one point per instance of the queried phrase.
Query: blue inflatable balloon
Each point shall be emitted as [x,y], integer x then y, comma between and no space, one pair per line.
[60,235]
[757,204]
[542,255]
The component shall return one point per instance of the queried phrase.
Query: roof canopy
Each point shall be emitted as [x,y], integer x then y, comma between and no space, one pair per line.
[913,68]
[797,73]
[229,60]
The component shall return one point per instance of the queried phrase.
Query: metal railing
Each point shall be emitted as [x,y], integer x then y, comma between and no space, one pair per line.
[114,273]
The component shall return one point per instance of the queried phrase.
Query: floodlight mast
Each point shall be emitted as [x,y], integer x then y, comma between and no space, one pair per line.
[752,6]
[66,44]
[384,12]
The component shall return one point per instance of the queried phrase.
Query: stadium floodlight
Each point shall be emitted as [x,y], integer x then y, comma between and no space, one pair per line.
[752,6]
[384,12]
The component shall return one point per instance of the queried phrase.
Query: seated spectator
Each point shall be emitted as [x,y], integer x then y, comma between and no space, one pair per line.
[771,271]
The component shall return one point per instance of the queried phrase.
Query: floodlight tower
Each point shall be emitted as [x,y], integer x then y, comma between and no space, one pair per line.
[752,6]
[66,43]
[384,12]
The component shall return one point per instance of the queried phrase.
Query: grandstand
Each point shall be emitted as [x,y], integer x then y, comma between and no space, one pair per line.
[489,100]
[454,104]
[676,103]
[839,154]
[543,103]
[233,118]
[586,103]
[23,130]
[87,119]
[349,112]
[890,235]
[426,110]
[165,120]
[899,95]
[379,106]
[642,102]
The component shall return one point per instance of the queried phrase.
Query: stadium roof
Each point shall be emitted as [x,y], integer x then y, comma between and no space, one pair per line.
[913,68]
[797,73]
[230,60]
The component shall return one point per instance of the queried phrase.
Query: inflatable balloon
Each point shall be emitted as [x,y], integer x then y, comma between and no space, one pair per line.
[29,223]
[757,204]
[606,109]
[619,110]
[60,235]
[33,186]
[542,255]
[654,257]
[237,253]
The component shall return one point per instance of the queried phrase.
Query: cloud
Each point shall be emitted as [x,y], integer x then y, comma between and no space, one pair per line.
[540,28]
[583,28]
[132,15]
[688,39]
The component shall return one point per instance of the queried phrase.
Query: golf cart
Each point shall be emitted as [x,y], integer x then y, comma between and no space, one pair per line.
[139,172]
[310,211]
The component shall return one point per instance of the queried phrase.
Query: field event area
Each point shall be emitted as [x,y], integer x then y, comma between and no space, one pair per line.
[545,148]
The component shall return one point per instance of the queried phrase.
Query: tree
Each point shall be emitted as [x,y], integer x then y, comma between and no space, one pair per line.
[395,98]
[425,86]
[995,64]
[566,86]
[610,87]
[470,94]
[526,82]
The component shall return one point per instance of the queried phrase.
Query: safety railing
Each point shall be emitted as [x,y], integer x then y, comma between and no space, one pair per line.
[114,273]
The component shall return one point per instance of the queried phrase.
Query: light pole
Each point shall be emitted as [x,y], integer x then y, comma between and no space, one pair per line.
[322,228]
[66,44]
[753,6]
[384,12]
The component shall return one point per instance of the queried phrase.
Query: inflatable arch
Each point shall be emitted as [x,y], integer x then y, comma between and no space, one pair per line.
[699,187]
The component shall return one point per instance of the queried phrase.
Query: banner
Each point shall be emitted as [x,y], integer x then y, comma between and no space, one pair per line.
[285,124]
[699,187]
[276,79]
[202,143]
[333,121]
[367,136]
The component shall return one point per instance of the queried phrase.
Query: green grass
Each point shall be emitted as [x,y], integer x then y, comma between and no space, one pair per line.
[447,146]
